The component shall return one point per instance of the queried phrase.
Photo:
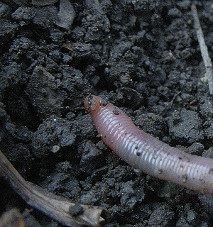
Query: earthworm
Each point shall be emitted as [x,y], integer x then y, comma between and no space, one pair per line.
[146,153]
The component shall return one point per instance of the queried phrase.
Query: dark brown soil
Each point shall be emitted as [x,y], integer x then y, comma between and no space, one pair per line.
[141,55]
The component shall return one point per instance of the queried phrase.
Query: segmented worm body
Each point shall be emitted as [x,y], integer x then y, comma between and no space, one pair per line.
[144,152]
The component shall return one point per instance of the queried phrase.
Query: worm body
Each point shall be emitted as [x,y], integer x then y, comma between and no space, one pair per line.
[144,152]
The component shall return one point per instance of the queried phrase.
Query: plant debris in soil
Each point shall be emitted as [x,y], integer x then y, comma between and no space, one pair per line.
[143,56]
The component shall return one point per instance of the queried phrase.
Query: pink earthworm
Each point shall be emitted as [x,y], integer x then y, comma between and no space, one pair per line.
[146,153]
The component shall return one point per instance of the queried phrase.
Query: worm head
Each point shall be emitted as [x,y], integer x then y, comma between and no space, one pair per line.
[92,103]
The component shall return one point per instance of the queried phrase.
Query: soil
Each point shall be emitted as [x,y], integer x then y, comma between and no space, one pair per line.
[144,57]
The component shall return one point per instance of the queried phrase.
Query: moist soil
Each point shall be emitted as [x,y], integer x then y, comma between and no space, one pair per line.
[144,57]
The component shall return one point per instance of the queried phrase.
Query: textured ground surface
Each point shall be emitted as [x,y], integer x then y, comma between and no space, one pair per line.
[141,55]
